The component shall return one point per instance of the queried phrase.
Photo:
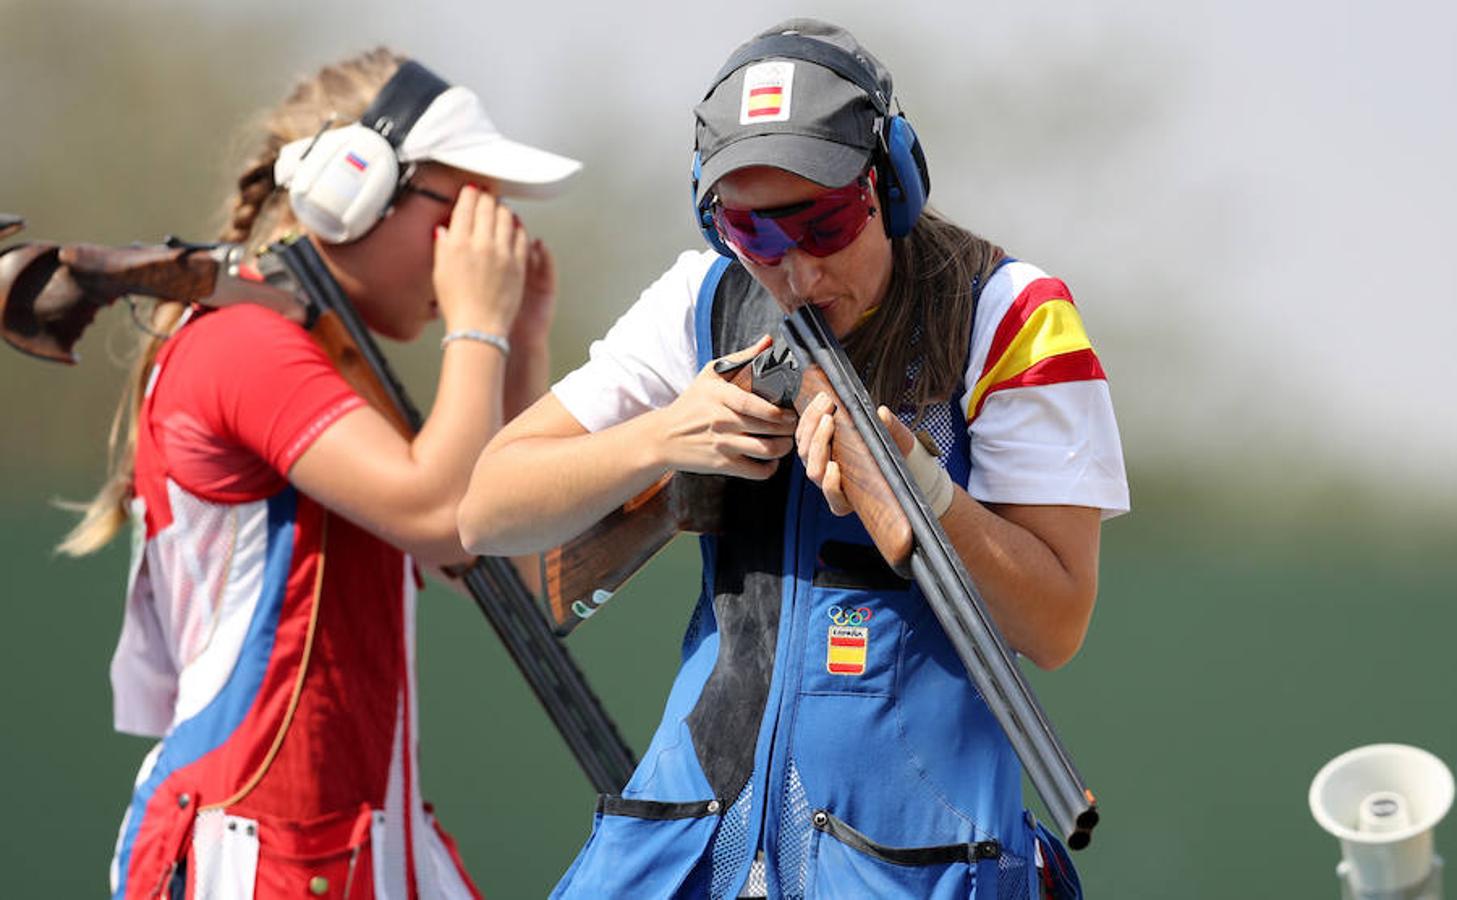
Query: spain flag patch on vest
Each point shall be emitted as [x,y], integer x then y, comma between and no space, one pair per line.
[847,640]
[846,653]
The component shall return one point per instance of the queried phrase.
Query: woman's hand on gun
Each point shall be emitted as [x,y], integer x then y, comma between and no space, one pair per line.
[815,437]
[716,427]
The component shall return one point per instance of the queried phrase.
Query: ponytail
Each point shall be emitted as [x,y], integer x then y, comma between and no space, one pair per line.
[257,213]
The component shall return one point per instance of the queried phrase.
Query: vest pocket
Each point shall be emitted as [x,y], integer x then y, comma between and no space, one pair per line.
[234,855]
[853,641]
[646,848]
[1055,868]
[846,863]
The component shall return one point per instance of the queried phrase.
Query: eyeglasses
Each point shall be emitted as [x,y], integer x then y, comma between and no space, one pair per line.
[820,227]
[411,187]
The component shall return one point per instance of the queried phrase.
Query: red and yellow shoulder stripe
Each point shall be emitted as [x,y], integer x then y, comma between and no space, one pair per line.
[1040,340]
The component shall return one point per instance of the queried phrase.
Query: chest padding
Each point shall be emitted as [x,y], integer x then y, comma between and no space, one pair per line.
[748,563]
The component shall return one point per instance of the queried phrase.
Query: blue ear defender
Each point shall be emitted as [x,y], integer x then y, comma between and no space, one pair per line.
[703,214]
[903,181]
[907,182]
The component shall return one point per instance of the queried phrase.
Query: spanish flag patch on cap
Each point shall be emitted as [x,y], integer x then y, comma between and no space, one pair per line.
[767,90]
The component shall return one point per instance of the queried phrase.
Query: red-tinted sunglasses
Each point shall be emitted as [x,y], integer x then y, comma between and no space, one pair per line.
[820,227]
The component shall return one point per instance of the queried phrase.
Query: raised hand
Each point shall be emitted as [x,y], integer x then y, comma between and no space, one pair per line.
[538,300]
[480,264]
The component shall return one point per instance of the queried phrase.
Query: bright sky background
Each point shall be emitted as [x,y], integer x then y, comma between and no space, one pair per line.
[1253,202]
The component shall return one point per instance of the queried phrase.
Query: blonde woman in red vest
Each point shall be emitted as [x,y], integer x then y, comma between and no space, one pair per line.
[268,637]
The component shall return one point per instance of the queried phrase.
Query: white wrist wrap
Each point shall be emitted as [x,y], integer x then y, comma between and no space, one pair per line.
[933,480]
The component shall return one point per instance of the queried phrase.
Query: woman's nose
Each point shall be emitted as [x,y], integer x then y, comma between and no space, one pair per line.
[802,270]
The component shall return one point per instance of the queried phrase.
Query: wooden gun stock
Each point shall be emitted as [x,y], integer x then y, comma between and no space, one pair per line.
[860,478]
[584,573]
[50,293]
[334,339]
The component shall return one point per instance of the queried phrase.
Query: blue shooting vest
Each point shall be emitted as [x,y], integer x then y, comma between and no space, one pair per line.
[820,715]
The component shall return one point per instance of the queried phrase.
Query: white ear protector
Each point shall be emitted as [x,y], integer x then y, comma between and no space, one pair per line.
[342,181]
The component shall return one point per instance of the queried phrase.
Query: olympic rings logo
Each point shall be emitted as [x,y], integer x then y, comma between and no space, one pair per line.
[841,616]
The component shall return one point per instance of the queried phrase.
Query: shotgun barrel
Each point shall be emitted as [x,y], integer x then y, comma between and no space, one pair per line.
[493,583]
[953,596]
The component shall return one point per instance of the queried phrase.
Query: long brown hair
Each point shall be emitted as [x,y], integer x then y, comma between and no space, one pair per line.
[257,214]
[913,349]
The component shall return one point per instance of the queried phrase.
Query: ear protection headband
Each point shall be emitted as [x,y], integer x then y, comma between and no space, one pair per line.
[343,181]
[903,181]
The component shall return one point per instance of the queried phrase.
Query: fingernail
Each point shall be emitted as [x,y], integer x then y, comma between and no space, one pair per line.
[439,231]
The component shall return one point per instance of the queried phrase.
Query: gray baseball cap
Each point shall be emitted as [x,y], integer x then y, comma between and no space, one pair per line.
[818,117]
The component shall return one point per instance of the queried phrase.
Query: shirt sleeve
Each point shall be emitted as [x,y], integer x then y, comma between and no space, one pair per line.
[647,358]
[1038,410]
[246,385]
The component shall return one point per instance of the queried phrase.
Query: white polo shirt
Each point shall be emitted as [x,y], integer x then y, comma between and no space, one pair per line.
[1036,402]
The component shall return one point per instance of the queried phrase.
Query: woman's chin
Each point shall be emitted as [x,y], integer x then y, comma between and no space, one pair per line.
[400,332]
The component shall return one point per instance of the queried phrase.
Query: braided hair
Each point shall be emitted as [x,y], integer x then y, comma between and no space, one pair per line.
[256,214]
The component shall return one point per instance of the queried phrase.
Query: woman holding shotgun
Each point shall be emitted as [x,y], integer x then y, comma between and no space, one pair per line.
[268,637]
[822,738]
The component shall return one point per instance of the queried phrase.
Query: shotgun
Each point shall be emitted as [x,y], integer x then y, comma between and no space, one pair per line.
[583,574]
[808,360]
[50,293]
[938,571]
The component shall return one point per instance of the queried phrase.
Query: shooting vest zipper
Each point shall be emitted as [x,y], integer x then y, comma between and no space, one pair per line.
[788,666]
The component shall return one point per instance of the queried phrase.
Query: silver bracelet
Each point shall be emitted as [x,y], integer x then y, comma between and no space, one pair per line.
[484,337]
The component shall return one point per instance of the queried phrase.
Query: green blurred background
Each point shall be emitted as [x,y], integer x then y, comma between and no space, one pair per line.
[1254,205]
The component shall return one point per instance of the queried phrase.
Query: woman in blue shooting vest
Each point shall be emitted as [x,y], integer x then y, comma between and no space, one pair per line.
[822,739]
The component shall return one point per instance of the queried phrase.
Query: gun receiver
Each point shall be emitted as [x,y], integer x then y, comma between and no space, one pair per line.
[585,572]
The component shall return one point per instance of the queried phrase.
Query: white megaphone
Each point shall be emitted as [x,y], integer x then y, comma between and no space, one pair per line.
[1382,801]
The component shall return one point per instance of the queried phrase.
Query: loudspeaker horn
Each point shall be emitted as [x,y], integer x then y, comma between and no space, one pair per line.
[1382,803]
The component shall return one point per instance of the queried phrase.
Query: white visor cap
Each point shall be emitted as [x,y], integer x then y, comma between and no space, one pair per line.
[455,131]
